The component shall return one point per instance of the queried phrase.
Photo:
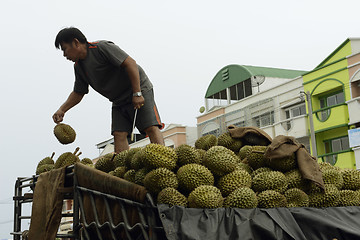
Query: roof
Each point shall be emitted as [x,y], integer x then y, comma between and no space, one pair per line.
[231,75]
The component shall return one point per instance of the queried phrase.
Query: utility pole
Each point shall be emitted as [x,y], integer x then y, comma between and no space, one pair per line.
[311,121]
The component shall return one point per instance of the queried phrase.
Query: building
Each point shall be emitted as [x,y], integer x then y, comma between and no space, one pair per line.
[268,98]
[174,135]
[333,90]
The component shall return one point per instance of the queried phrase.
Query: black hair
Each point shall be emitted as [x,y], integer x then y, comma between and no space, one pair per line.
[67,35]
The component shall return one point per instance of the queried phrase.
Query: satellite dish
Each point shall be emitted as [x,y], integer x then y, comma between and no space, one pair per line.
[202,109]
[257,80]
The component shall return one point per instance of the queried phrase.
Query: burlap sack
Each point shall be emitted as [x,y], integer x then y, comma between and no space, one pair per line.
[284,146]
[47,205]
[250,135]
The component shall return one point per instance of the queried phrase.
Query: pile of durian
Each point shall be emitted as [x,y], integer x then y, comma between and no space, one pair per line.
[227,172]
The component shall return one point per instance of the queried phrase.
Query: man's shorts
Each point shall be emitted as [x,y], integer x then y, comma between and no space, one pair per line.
[147,115]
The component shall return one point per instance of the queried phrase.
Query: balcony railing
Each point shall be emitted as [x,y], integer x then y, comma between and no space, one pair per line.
[331,116]
[297,127]
[354,110]
[343,159]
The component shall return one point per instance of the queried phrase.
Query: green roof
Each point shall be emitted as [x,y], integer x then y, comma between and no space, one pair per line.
[233,74]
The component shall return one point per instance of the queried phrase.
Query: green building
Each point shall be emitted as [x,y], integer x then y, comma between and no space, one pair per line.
[328,89]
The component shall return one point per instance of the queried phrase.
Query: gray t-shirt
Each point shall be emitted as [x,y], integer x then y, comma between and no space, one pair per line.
[101,69]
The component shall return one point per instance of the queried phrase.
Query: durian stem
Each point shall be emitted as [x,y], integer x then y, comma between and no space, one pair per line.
[79,154]
[76,150]
[52,155]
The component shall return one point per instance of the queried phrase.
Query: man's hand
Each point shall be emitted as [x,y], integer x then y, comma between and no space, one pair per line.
[138,102]
[58,116]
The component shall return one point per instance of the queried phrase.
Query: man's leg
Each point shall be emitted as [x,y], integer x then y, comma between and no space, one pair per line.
[120,141]
[155,135]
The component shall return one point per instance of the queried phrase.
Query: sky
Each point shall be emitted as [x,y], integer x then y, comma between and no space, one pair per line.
[181,45]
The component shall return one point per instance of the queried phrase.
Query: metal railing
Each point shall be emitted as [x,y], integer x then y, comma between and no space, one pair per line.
[148,225]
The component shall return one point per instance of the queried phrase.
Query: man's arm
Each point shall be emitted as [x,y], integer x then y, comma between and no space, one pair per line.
[73,99]
[132,70]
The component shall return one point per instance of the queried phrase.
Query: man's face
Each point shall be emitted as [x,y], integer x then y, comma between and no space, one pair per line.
[71,51]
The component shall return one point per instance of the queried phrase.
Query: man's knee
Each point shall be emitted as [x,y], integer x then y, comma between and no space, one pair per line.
[152,130]
[120,135]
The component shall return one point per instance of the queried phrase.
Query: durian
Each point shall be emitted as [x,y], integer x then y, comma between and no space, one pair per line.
[68,158]
[205,196]
[172,197]
[242,197]
[64,133]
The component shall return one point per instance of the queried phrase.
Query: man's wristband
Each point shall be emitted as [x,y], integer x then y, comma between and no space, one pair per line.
[137,94]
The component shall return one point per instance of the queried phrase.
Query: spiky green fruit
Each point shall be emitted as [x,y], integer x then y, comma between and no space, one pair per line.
[86,161]
[333,176]
[296,197]
[245,151]
[227,141]
[256,157]
[140,176]
[271,199]
[206,142]
[296,180]
[260,170]
[190,176]
[186,155]
[234,180]
[273,180]
[67,159]
[349,198]
[283,164]
[105,163]
[120,159]
[205,196]
[242,197]
[159,156]
[137,161]
[130,175]
[120,172]
[201,154]
[324,198]
[47,160]
[160,178]
[129,156]
[64,133]
[244,166]
[325,165]
[220,160]
[351,179]
[172,197]
[44,168]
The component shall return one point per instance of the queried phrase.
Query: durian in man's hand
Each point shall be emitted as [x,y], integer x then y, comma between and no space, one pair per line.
[64,133]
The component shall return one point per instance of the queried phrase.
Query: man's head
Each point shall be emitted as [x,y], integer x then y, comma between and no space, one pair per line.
[72,42]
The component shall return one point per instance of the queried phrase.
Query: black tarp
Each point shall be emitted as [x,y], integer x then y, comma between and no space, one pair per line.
[260,223]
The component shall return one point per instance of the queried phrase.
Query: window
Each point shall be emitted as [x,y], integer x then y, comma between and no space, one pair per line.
[292,112]
[241,90]
[295,111]
[335,146]
[215,132]
[264,120]
[239,124]
[328,101]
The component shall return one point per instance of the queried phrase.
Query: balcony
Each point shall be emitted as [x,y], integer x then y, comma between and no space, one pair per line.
[354,110]
[330,117]
[296,127]
[342,159]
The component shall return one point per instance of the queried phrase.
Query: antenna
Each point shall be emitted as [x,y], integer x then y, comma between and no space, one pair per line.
[257,80]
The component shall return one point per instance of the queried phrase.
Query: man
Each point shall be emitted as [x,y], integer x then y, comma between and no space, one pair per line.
[115,75]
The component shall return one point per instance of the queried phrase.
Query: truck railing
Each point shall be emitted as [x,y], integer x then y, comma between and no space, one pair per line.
[147,225]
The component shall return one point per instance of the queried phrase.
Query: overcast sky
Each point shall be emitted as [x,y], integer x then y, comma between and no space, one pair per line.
[180,44]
